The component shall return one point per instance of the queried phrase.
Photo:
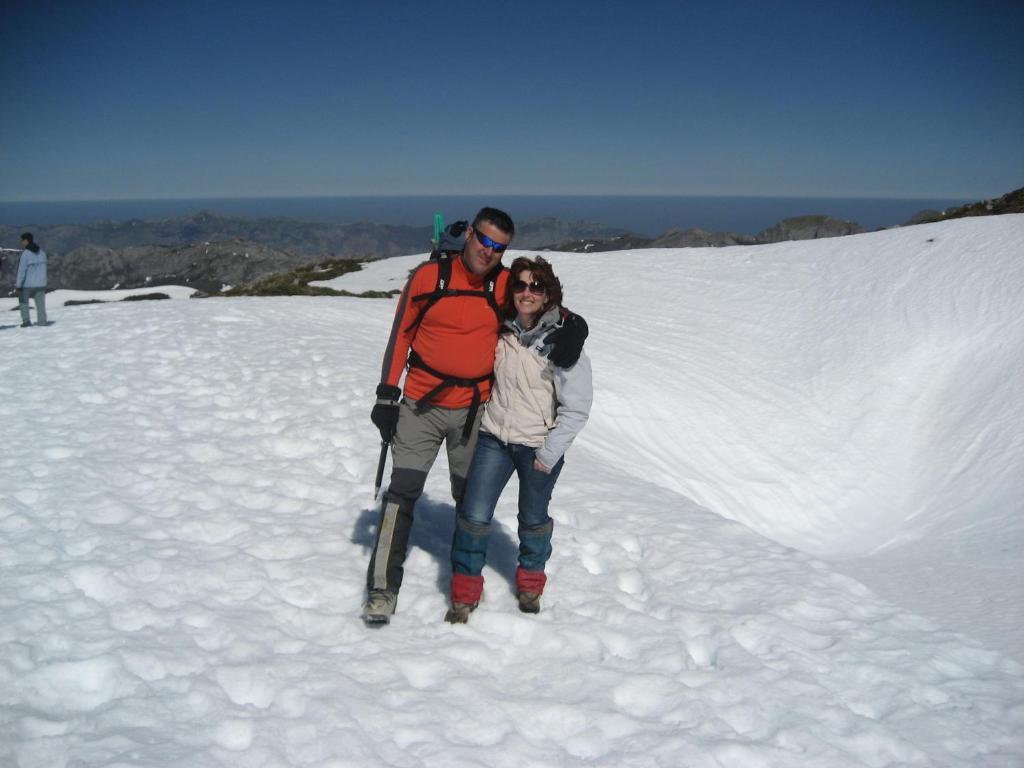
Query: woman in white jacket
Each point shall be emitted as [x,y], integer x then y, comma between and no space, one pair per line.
[535,411]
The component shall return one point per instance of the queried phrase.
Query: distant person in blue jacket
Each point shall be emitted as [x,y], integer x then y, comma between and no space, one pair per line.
[31,280]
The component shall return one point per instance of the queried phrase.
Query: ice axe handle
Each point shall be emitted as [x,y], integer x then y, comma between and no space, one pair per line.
[438,229]
[380,468]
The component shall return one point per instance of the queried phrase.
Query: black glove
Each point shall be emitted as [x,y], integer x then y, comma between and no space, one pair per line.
[385,411]
[566,341]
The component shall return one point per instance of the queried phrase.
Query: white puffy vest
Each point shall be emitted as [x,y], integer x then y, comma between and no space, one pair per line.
[522,405]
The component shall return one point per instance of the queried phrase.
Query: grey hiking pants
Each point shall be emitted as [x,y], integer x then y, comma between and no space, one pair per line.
[413,450]
[39,294]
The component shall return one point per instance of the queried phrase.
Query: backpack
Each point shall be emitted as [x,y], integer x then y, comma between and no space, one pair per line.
[450,239]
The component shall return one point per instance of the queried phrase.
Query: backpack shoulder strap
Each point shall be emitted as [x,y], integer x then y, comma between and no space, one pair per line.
[444,274]
[441,289]
[444,277]
[491,288]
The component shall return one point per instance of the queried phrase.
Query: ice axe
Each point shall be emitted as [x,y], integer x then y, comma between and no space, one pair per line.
[380,468]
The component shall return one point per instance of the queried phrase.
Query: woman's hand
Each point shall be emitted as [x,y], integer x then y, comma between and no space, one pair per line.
[541,468]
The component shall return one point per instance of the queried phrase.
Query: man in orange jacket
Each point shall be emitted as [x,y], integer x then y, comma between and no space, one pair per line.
[445,331]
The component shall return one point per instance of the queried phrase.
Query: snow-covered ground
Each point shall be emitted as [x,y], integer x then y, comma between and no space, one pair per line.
[185,518]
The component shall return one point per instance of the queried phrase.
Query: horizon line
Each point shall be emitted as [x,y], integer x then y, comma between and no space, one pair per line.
[639,195]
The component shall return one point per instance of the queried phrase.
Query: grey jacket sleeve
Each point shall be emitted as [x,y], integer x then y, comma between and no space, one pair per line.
[574,391]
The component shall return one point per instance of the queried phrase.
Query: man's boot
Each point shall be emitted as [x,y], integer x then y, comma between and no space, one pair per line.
[379,607]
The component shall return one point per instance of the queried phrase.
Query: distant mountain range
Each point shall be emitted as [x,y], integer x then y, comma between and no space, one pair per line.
[209,250]
[318,240]
[798,228]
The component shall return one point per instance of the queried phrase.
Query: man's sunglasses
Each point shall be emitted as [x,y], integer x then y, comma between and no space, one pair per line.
[486,242]
[518,286]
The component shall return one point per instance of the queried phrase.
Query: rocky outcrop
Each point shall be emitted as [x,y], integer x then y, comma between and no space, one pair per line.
[535,233]
[808,228]
[923,217]
[598,245]
[1011,202]
[699,238]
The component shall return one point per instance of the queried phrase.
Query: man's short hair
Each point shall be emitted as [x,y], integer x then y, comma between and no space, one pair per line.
[497,218]
[27,236]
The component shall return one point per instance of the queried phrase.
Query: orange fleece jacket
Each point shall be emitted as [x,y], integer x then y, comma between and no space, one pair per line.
[457,336]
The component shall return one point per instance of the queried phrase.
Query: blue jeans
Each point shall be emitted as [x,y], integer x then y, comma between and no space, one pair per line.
[492,467]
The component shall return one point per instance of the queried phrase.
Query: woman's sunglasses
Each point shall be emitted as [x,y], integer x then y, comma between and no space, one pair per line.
[486,242]
[518,286]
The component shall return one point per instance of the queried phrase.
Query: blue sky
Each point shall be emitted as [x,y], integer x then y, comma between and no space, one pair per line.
[141,99]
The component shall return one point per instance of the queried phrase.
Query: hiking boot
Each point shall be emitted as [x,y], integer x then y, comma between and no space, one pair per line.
[379,607]
[529,602]
[459,613]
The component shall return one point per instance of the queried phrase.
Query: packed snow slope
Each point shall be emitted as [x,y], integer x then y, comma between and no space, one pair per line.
[185,519]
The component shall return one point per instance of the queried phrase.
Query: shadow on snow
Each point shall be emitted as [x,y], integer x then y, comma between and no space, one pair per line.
[432,531]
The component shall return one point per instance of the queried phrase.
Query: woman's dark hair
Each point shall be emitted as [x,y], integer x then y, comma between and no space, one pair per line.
[542,272]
